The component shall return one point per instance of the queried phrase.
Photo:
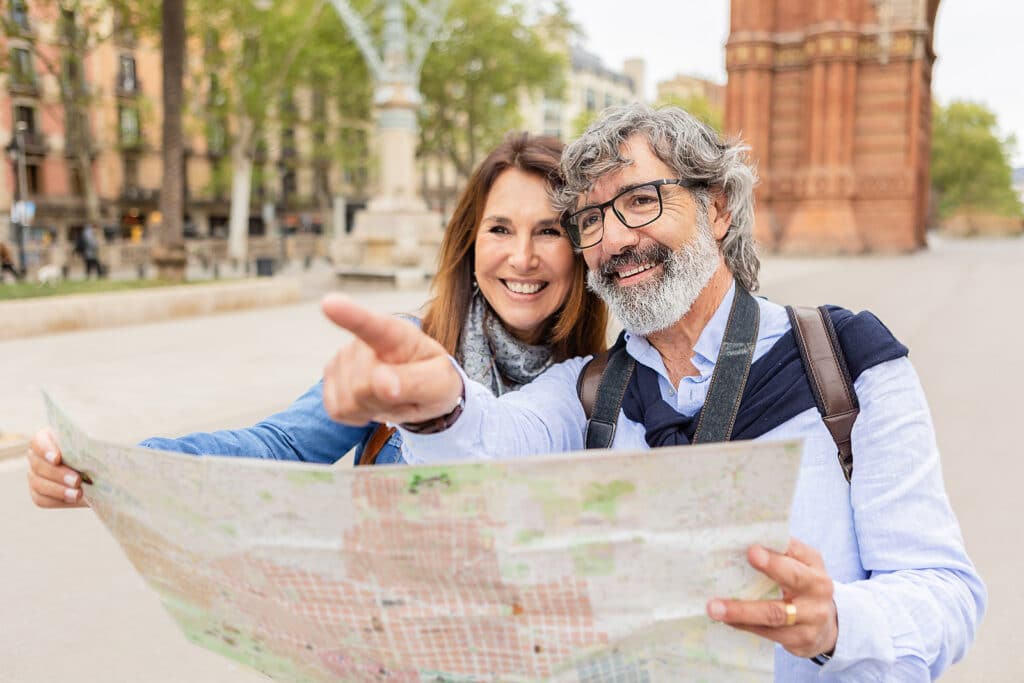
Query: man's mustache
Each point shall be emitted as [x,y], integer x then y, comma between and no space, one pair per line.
[653,254]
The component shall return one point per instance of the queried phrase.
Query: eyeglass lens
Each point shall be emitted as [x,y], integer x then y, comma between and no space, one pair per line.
[635,208]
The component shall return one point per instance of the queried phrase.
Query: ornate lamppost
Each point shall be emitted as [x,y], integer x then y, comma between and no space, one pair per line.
[397,214]
[16,152]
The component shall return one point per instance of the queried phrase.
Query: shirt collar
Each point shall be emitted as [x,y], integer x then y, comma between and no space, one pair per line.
[705,351]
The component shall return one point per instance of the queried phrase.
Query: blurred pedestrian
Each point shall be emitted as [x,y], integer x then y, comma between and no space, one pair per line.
[91,252]
[7,262]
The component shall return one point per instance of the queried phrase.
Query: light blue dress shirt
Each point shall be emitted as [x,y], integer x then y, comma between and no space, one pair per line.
[908,597]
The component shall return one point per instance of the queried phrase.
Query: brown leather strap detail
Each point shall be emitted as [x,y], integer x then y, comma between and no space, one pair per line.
[589,381]
[375,443]
[829,380]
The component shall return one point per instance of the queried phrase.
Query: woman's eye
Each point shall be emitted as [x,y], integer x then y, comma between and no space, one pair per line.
[553,232]
[498,229]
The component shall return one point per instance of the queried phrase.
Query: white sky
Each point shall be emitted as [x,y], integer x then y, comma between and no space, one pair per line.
[978,43]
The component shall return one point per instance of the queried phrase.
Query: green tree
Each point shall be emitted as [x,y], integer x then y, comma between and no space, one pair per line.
[699,106]
[970,162]
[474,75]
[260,58]
[583,121]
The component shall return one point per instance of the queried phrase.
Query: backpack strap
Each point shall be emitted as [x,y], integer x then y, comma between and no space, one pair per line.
[601,385]
[375,443]
[825,367]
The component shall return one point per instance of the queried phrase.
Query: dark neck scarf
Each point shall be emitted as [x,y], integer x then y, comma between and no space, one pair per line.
[777,388]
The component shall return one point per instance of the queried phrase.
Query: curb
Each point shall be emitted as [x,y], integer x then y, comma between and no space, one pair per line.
[32,317]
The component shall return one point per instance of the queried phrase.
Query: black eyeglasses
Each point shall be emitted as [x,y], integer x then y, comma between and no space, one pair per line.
[635,207]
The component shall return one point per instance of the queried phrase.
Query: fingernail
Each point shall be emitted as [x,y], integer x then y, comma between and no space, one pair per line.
[716,609]
[759,555]
[51,456]
[71,495]
[71,480]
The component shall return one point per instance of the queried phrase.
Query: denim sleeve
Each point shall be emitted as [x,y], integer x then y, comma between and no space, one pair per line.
[301,432]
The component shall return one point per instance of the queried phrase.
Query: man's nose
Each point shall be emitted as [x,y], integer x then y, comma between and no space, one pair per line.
[617,237]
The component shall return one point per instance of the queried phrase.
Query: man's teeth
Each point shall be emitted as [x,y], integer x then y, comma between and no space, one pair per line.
[638,269]
[524,287]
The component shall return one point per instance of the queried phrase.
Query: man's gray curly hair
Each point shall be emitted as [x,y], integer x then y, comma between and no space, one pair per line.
[692,149]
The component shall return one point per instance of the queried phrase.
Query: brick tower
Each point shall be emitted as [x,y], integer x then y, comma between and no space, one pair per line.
[834,98]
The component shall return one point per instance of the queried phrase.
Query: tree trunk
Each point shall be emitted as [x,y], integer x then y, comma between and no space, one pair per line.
[83,160]
[241,191]
[170,255]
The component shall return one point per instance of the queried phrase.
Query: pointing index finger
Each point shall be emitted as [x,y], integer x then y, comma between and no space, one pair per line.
[393,339]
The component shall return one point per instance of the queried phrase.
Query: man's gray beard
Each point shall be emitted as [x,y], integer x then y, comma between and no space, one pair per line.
[662,301]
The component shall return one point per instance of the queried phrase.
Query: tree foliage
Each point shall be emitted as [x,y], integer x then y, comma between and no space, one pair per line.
[261,57]
[699,106]
[971,162]
[474,75]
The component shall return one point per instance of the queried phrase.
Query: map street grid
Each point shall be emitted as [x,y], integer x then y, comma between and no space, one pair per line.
[579,567]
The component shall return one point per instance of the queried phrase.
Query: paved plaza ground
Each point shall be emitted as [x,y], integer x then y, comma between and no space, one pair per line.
[72,608]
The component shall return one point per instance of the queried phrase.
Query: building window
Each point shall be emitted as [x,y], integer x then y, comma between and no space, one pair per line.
[608,101]
[128,120]
[71,70]
[289,185]
[33,178]
[75,180]
[591,100]
[126,81]
[23,113]
[22,68]
[216,137]
[68,25]
[131,173]
[19,13]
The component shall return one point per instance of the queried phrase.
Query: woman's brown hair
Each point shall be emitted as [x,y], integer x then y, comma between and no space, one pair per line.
[579,325]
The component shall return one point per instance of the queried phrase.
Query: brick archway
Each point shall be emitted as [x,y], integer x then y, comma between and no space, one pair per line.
[835,100]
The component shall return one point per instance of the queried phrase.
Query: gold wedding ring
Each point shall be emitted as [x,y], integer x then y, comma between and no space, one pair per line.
[790,613]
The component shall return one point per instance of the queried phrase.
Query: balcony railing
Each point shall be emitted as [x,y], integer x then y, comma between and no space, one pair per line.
[35,142]
[128,87]
[134,193]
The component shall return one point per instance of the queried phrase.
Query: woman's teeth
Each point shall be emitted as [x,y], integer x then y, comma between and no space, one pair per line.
[524,287]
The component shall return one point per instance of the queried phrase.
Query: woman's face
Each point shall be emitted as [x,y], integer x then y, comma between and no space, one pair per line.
[524,261]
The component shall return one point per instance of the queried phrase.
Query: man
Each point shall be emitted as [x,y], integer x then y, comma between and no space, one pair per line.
[878,586]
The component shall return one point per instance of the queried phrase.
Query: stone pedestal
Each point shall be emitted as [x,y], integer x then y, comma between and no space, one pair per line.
[170,262]
[396,237]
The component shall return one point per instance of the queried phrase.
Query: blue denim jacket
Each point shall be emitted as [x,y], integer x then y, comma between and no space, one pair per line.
[303,432]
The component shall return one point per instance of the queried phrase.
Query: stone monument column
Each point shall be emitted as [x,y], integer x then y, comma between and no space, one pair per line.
[396,236]
[825,186]
[750,60]
[834,99]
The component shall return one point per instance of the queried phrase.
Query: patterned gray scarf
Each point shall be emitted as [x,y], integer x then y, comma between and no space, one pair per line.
[491,355]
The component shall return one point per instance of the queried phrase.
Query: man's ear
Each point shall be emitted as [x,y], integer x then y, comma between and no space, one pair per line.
[718,212]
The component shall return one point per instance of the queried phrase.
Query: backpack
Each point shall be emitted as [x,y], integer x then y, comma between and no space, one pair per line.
[602,383]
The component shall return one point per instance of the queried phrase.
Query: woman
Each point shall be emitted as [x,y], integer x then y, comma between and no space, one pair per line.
[509,299]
